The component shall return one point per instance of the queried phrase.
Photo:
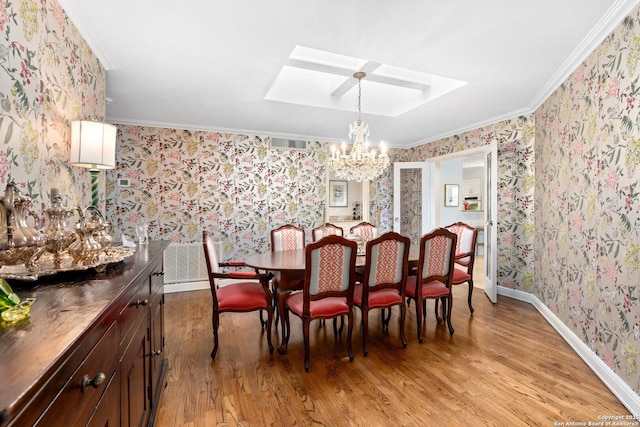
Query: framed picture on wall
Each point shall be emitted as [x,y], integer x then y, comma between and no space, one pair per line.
[338,193]
[451,196]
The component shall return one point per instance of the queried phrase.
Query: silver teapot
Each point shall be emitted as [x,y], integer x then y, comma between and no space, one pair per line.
[58,233]
[18,240]
[91,237]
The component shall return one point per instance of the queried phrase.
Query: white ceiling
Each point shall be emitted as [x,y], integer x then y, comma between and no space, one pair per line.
[209,64]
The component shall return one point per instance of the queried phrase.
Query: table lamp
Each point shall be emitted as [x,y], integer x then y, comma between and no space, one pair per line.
[93,146]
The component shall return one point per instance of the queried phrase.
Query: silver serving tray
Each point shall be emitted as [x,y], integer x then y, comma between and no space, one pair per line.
[46,265]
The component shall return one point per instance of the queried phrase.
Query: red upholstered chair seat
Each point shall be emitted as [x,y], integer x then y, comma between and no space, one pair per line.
[460,276]
[382,298]
[326,307]
[243,296]
[432,289]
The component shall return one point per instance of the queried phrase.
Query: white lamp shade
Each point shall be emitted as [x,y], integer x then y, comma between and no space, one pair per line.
[93,145]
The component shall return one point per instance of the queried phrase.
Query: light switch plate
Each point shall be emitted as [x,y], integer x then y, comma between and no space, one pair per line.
[124,182]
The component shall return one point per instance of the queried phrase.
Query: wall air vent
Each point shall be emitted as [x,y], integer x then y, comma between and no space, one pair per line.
[295,144]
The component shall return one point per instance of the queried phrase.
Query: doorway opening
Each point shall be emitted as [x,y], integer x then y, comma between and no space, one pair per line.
[445,194]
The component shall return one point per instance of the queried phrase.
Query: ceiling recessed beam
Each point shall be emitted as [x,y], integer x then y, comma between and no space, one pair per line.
[350,81]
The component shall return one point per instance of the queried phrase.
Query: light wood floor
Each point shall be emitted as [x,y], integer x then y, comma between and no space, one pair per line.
[504,366]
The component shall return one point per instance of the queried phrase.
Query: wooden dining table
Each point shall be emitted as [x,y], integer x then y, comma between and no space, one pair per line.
[291,265]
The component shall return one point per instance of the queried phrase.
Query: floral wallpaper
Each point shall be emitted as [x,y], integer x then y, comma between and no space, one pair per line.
[587,216]
[516,177]
[49,77]
[235,186]
[569,172]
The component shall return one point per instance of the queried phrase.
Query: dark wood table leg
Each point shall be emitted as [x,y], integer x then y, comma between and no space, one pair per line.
[281,296]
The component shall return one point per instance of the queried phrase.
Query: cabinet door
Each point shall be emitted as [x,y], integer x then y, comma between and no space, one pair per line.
[158,361]
[134,380]
[107,411]
[472,187]
[157,344]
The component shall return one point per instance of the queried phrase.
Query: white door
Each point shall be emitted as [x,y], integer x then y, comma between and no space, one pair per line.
[491,222]
[412,199]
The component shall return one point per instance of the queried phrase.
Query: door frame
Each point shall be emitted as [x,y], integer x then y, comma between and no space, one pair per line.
[434,193]
[491,223]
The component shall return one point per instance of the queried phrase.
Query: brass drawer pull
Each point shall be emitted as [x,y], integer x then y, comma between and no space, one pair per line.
[158,273]
[95,382]
[143,303]
[156,353]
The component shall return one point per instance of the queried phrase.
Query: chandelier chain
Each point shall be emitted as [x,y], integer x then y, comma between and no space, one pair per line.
[359,98]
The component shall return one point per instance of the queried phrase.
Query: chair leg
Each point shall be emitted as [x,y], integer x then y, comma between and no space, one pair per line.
[470,294]
[424,311]
[438,318]
[350,335]
[284,320]
[365,330]
[450,305]
[287,327]
[263,323]
[305,332]
[215,321]
[337,332]
[275,304]
[385,319]
[269,323]
[419,320]
[403,315]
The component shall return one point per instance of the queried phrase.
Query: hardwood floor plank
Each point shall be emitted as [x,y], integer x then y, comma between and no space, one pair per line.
[505,365]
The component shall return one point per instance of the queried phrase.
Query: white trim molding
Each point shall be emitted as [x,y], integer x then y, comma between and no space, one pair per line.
[619,388]
[185,287]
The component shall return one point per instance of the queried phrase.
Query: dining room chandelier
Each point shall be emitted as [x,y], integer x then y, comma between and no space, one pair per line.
[362,163]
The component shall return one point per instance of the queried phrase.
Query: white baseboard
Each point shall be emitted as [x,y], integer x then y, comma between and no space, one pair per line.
[184,287]
[193,286]
[619,388]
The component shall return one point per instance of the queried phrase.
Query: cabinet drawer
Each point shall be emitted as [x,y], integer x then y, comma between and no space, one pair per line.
[135,309]
[78,399]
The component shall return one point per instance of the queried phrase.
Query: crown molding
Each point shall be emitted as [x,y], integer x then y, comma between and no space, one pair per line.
[607,24]
[80,18]
[190,127]
[473,126]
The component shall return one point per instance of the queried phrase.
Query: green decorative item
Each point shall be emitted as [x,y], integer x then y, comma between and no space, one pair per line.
[11,307]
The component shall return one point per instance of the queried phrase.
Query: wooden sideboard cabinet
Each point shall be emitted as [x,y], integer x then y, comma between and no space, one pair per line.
[92,351]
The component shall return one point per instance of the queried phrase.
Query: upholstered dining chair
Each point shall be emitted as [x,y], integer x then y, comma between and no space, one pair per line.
[326,230]
[283,238]
[287,237]
[434,275]
[365,230]
[327,292]
[465,256]
[385,279]
[249,293]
